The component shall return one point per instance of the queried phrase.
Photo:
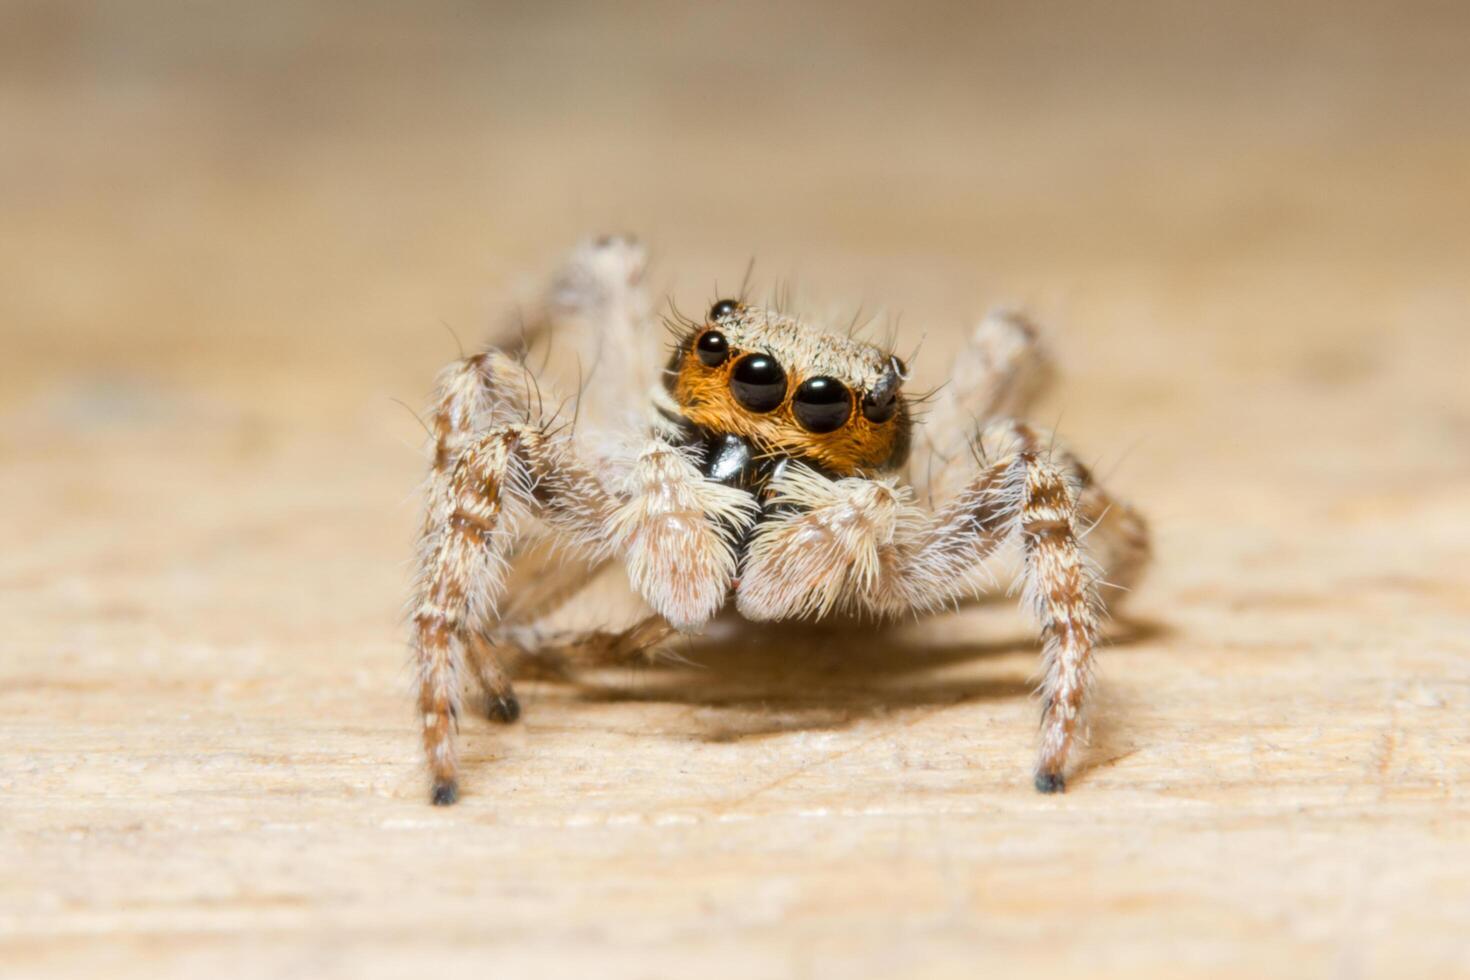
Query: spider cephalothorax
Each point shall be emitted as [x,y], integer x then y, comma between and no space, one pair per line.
[788,390]
[772,476]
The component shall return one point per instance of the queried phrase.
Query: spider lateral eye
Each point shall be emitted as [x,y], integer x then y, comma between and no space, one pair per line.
[722,309]
[879,410]
[758,382]
[881,401]
[821,404]
[712,348]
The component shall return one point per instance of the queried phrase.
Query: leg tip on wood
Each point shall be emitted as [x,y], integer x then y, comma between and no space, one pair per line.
[445,794]
[504,709]
[1050,782]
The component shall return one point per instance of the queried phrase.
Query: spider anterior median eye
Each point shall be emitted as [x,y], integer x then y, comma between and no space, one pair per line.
[758,382]
[821,404]
[878,411]
[712,348]
[722,309]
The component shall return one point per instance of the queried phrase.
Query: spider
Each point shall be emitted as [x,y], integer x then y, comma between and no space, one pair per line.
[767,472]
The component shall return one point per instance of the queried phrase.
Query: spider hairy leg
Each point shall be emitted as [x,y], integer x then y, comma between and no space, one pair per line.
[474,395]
[558,654]
[598,296]
[509,473]
[999,373]
[1004,368]
[1116,536]
[490,668]
[1021,491]
[1033,495]
[1060,587]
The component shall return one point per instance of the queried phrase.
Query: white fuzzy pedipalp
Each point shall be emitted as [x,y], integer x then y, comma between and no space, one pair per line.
[804,563]
[676,534]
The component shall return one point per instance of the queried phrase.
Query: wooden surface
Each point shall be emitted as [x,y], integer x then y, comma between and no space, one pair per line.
[233,237]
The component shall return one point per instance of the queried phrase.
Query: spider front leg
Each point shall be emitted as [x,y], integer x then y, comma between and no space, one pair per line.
[1020,490]
[997,376]
[510,473]
[474,395]
[598,293]
[674,529]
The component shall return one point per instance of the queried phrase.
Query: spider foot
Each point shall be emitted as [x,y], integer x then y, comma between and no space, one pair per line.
[503,708]
[1050,782]
[445,793]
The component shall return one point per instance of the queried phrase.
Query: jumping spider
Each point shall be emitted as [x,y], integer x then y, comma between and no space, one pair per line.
[768,473]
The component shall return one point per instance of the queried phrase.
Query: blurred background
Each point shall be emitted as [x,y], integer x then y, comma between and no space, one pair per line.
[206,193]
[233,236]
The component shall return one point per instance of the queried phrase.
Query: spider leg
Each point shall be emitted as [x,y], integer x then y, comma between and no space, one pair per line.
[511,472]
[1019,490]
[542,581]
[1115,535]
[491,663]
[597,292]
[999,373]
[473,396]
[599,297]
[557,654]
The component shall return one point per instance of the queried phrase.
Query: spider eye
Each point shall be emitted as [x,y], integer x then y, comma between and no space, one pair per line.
[821,404]
[879,410]
[712,348]
[722,309]
[758,382]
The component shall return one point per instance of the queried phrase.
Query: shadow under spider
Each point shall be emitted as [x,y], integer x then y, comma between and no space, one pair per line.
[768,679]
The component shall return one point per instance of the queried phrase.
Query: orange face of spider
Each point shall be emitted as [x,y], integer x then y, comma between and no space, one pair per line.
[792,390]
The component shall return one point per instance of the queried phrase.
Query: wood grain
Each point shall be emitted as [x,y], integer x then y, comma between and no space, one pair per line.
[234,236]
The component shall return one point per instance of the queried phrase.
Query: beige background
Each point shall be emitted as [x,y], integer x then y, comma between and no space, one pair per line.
[231,235]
